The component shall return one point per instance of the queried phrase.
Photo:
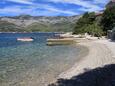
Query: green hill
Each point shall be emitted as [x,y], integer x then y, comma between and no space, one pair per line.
[57,27]
[9,27]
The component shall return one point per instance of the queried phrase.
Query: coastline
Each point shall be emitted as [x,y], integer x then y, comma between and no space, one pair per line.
[84,51]
[100,53]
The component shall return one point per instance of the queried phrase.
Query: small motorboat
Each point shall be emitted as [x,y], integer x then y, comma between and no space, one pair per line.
[61,41]
[25,39]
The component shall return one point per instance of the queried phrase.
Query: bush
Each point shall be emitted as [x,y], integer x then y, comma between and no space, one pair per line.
[88,24]
[94,30]
[108,19]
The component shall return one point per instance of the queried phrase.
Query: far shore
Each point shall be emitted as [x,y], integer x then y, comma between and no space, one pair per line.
[32,32]
[101,52]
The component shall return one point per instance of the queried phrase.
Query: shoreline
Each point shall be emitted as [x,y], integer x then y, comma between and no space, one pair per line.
[100,54]
[83,52]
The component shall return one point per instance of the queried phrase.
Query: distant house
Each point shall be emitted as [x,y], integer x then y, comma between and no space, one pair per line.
[110,4]
[100,13]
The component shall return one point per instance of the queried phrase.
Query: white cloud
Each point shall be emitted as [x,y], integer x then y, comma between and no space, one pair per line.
[101,1]
[34,10]
[89,5]
[50,8]
[12,9]
[21,1]
[90,9]
[54,9]
[83,3]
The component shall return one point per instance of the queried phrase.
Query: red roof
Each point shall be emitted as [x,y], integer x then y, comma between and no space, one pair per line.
[99,13]
[113,0]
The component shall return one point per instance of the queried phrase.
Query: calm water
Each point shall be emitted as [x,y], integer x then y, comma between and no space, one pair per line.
[33,63]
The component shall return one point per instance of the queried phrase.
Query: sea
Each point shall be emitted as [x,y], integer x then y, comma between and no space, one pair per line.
[33,63]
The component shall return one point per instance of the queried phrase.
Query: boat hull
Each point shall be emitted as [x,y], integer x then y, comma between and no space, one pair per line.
[25,39]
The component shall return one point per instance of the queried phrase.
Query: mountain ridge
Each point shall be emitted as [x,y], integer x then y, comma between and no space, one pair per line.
[51,23]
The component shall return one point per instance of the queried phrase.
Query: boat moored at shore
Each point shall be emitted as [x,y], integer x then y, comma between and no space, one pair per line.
[62,41]
[26,39]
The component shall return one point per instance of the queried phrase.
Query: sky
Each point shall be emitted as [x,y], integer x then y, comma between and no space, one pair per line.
[50,7]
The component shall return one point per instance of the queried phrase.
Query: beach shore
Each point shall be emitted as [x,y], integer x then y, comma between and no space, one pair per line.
[101,52]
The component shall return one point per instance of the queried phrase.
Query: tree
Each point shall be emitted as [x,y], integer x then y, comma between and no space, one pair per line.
[88,24]
[108,19]
[83,22]
[94,30]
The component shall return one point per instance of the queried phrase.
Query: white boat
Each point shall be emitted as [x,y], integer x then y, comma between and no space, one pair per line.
[26,39]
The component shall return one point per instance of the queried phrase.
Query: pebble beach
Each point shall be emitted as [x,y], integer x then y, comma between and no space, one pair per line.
[101,52]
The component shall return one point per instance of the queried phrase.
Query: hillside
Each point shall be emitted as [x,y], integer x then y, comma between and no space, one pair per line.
[9,27]
[37,23]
